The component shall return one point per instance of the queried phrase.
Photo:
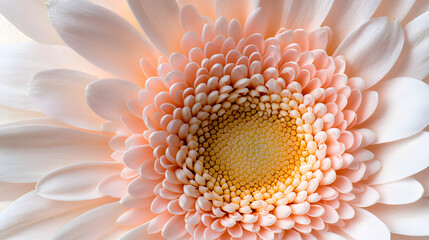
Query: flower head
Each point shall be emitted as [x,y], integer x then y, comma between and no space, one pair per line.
[251,124]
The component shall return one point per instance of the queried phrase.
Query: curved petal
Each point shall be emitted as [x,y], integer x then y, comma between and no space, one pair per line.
[238,9]
[160,22]
[60,93]
[419,7]
[11,114]
[101,36]
[19,62]
[274,10]
[401,159]
[345,16]
[372,49]
[100,222]
[9,33]
[402,111]
[397,9]
[410,219]
[108,97]
[306,14]
[205,7]
[404,191]
[76,182]
[414,59]
[31,18]
[12,191]
[32,216]
[140,232]
[321,235]
[364,225]
[28,152]
[423,178]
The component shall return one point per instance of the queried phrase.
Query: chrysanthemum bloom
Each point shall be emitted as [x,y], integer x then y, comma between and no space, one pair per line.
[220,120]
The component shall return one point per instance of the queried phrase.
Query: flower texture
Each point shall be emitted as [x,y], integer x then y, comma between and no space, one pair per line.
[219,120]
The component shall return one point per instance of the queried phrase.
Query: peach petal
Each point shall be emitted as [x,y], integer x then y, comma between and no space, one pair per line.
[174,228]
[135,217]
[141,188]
[158,222]
[135,156]
[113,185]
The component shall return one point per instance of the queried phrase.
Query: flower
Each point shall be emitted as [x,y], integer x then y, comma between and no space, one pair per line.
[248,122]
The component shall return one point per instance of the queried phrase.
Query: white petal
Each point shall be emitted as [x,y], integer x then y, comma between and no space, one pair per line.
[410,219]
[19,62]
[108,97]
[238,9]
[401,159]
[9,33]
[99,223]
[101,36]
[419,7]
[404,191]
[32,216]
[140,232]
[402,111]
[4,205]
[119,7]
[35,24]
[306,14]
[329,236]
[206,7]
[372,49]
[423,178]
[11,114]
[160,22]
[274,10]
[76,182]
[397,9]
[345,16]
[28,152]
[60,93]
[366,226]
[414,59]
[12,191]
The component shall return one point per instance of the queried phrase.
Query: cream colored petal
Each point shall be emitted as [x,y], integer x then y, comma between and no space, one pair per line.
[9,33]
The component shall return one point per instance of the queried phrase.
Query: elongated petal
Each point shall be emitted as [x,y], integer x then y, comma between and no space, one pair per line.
[372,49]
[306,14]
[238,9]
[61,94]
[28,152]
[101,36]
[12,191]
[402,111]
[140,232]
[206,7]
[100,222]
[108,97]
[419,7]
[19,62]
[401,159]
[11,114]
[32,216]
[414,59]
[410,219]
[76,182]
[31,18]
[274,10]
[9,33]
[364,225]
[404,191]
[160,21]
[345,16]
[394,9]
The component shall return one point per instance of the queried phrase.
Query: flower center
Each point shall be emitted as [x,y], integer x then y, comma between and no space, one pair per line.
[250,148]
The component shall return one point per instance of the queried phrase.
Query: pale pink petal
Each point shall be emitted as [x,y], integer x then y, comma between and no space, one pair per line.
[345,16]
[191,19]
[11,114]
[322,235]
[113,185]
[274,10]
[419,7]
[414,59]
[256,23]
[238,9]
[371,50]
[366,226]
[76,182]
[404,191]
[394,9]
[61,94]
[410,219]
[35,24]
[108,97]
[140,232]
[160,22]
[101,36]
[206,7]
[12,191]
[100,222]
[394,155]
[306,14]
[402,111]
[32,215]
[174,228]
[28,152]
